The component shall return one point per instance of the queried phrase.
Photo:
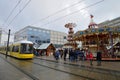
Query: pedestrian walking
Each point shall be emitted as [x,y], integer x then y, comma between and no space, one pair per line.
[57,54]
[81,55]
[87,55]
[61,53]
[77,51]
[90,57]
[99,58]
[65,54]
[71,55]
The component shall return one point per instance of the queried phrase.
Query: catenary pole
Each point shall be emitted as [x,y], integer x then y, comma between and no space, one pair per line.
[8,43]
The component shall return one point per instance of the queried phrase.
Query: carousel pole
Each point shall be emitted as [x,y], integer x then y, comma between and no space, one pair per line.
[111,43]
[98,44]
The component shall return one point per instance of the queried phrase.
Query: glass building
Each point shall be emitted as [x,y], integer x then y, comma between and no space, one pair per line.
[39,36]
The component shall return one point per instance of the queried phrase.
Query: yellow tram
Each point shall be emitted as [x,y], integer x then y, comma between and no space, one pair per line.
[20,50]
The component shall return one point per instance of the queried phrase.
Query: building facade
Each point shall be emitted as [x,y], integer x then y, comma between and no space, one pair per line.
[110,23]
[39,36]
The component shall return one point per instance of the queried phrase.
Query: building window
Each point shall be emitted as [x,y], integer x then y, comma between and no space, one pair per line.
[32,36]
[44,41]
[64,37]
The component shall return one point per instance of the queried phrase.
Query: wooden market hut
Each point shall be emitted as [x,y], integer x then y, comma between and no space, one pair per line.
[46,49]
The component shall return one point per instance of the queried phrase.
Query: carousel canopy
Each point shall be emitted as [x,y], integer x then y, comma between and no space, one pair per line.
[97,31]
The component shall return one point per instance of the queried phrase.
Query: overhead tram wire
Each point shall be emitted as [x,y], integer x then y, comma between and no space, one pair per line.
[58,11]
[4,31]
[12,12]
[42,18]
[19,12]
[73,12]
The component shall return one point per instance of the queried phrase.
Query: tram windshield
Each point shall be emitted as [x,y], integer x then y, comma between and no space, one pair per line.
[27,48]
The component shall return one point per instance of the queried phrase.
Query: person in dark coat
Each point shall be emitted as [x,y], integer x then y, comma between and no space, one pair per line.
[65,54]
[57,54]
[99,58]
[81,55]
[71,55]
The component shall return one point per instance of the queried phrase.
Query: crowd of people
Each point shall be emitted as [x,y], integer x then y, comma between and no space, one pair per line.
[77,55]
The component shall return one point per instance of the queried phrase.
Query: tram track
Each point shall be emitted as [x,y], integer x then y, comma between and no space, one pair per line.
[35,78]
[91,70]
[88,78]
[56,69]
[84,76]
[88,68]
[21,70]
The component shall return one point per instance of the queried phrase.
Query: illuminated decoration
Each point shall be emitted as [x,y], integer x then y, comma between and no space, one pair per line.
[95,38]
[70,40]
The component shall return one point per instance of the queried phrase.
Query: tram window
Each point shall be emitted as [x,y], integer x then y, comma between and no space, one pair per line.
[26,48]
[15,49]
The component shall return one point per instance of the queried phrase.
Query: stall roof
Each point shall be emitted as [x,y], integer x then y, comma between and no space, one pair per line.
[44,46]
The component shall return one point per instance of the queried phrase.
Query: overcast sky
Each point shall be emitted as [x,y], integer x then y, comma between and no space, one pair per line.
[39,13]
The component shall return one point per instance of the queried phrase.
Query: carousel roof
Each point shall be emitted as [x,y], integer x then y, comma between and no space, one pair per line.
[92,24]
[97,31]
[92,30]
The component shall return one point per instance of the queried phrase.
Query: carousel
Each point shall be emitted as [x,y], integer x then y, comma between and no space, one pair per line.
[97,38]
